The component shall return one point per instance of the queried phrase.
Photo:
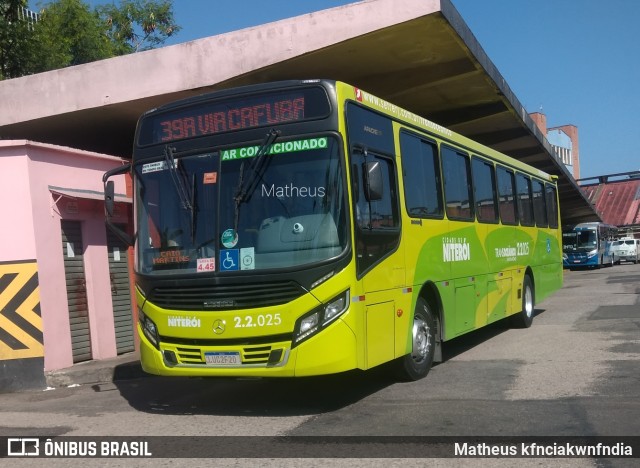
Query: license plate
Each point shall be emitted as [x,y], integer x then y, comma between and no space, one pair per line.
[576,261]
[223,359]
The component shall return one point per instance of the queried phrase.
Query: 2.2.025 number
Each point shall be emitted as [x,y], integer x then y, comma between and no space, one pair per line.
[262,320]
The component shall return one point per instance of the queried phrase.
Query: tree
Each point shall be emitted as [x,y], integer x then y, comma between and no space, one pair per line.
[16,40]
[138,25]
[69,32]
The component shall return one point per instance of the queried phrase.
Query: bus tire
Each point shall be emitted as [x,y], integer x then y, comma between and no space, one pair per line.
[417,363]
[524,318]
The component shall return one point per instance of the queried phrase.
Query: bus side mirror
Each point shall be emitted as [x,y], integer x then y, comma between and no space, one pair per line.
[109,194]
[109,202]
[372,175]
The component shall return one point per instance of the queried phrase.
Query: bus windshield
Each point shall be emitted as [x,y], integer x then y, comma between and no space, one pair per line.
[215,212]
[580,240]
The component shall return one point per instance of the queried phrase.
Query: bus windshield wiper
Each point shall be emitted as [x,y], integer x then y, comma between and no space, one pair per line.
[193,210]
[178,182]
[185,193]
[258,166]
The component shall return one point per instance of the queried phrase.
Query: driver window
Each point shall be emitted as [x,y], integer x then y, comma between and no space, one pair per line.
[377,221]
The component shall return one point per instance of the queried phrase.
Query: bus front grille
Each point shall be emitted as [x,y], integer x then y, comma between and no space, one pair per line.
[250,355]
[226,297]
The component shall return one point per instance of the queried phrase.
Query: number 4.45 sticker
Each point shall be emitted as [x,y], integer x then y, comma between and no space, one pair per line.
[206,264]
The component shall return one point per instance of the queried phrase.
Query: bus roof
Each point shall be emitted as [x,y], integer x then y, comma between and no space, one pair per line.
[351,92]
[426,125]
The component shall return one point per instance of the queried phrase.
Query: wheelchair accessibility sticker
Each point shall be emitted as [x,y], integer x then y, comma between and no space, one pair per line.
[229,260]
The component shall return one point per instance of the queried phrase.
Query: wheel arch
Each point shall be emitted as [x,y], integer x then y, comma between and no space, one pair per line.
[429,292]
[529,272]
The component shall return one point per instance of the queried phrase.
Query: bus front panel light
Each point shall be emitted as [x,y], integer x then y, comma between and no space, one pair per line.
[149,328]
[336,307]
[308,326]
[320,317]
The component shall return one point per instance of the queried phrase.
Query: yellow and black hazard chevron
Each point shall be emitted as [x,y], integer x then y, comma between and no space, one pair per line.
[20,318]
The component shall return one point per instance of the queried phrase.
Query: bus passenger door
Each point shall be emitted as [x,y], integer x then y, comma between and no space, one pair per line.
[379,255]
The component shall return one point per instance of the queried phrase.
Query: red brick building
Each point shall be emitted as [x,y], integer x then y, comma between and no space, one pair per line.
[564,140]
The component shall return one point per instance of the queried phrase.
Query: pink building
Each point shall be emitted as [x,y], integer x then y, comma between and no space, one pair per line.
[64,281]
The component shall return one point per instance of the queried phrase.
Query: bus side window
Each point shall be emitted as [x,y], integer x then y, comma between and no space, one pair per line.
[539,205]
[525,202]
[506,194]
[421,176]
[552,206]
[457,188]
[484,188]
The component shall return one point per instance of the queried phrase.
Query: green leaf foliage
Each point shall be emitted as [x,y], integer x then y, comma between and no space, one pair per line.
[70,32]
[16,40]
[137,25]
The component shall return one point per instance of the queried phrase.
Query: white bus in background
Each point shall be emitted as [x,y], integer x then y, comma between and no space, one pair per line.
[627,249]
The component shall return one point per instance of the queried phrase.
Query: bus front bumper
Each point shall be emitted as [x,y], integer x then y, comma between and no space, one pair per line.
[331,351]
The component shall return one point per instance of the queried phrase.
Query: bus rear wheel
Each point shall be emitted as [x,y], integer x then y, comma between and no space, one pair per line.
[417,363]
[524,318]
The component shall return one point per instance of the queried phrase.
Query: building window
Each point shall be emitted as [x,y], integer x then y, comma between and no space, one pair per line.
[564,154]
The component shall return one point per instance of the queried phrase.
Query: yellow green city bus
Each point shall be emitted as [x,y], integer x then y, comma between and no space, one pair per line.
[304,228]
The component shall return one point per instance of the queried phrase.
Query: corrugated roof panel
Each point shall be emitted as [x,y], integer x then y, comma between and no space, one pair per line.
[617,202]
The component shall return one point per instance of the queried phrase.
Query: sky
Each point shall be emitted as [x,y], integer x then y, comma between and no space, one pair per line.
[576,61]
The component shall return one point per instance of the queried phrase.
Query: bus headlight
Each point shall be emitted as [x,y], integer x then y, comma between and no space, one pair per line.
[565,256]
[318,318]
[149,329]
[336,307]
[592,253]
[308,325]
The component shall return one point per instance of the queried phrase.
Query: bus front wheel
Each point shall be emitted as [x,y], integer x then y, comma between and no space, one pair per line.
[524,318]
[417,363]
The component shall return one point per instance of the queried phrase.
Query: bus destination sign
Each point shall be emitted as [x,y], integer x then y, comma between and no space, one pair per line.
[216,117]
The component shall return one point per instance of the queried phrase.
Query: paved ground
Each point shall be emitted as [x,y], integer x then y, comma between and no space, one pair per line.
[573,373]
